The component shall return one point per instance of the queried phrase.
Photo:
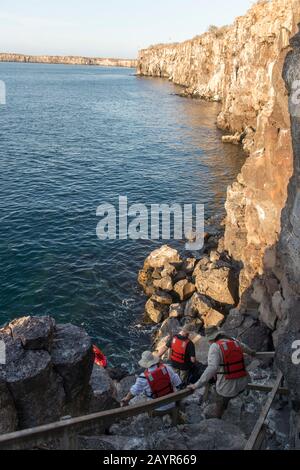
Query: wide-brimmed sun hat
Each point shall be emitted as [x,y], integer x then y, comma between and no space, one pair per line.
[149,359]
[212,333]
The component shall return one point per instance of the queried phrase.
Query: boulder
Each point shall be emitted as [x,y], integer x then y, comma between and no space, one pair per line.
[176,310]
[219,284]
[103,391]
[155,311]
[104,442]
[8,412]
[287,352]
[146,282]
[36,388]
[201,306]
[33,332]
[201,347]
[184,289]
[188,265]
[123,387]
[162,297]
[72,357]
[253,333]
[162,257]
[212,434]
[170,327]
[165,283]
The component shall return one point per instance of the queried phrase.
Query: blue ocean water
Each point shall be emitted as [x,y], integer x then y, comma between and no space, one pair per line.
[73,137]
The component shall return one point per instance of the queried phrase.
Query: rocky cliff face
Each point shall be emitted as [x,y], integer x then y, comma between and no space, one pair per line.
[48,374]
[69,60]
[241,66]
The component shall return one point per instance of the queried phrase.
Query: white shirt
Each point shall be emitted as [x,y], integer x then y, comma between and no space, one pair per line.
[142,387]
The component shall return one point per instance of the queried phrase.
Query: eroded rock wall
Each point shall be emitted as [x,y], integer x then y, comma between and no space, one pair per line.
[241,65]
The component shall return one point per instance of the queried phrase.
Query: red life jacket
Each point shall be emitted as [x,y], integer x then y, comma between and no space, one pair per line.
[233,359]
[178,349]
[99,357]
[159,381]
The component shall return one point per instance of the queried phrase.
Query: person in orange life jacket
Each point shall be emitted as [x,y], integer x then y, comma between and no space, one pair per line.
[182,353]
[156,381]
[226,361]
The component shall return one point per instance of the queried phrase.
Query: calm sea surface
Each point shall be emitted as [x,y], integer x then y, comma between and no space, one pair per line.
[72,138]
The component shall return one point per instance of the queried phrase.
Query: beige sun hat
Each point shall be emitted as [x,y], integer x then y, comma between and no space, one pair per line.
[149,359]
[212,333]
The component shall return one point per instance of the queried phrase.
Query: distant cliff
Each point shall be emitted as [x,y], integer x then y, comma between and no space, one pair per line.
[69,60]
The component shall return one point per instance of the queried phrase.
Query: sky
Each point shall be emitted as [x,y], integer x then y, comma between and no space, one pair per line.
[107,28]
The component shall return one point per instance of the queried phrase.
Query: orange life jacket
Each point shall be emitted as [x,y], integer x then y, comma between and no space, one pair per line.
[99,357]
[159,381]
[178,349]
[233,359]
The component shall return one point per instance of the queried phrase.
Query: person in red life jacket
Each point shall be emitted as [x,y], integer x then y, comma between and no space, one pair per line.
[226,362]
[157,380]
[182,353]
[99,357]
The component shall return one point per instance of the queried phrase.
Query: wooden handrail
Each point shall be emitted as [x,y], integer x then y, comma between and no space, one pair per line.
[85,423]
[256,433]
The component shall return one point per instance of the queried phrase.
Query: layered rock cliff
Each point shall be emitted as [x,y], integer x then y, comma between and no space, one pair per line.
[68,60]
[241,66]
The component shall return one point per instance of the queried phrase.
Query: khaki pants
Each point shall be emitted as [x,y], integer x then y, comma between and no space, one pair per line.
[183,374]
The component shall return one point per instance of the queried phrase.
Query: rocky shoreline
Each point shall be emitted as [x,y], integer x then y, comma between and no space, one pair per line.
[67,60]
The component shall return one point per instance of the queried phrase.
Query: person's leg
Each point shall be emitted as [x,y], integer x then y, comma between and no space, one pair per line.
[221,405]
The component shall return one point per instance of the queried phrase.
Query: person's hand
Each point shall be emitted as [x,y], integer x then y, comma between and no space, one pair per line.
[192,387]
[124,402]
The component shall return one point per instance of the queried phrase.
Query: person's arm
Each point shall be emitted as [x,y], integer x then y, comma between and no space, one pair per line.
[212,367]
[192,353]
[125,401]
[137,389]
[175,379]
[161,351]
[247,350]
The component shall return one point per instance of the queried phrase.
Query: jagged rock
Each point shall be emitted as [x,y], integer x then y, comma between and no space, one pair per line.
[252,332]
[165,283]
[212,434]
[170,327]
[8,412]
[176,310]
[103,391]
[201,348]
[219,284]
[123,387]
[72,357]
[34,332]
[141,425]
[188,265]
[201,306]
[162,257]
[37,390]
[287,357]
[146,282]
[232,139]
[156,311]
[179,276]
[162,297]
[117,373]
[168,270]
[184,289]
[112,443]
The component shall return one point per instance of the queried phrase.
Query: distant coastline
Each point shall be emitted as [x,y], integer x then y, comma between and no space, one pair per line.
[69,60]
